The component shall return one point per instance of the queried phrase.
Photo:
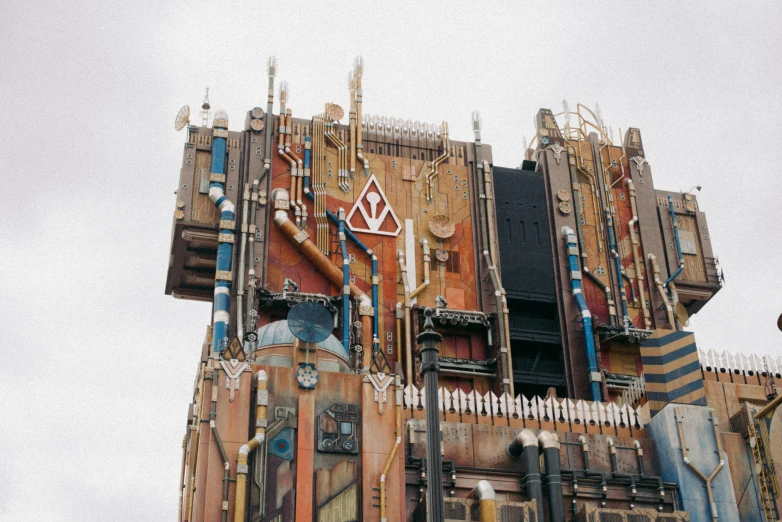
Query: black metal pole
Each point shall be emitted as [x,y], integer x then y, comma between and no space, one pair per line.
[434,461]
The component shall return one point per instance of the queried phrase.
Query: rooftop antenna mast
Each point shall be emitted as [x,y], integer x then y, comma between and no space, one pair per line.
[205,110]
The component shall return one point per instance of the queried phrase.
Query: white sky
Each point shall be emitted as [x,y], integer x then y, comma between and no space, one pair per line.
[100,363]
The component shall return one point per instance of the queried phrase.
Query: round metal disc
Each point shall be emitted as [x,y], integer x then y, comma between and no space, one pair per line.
[182,117]
[310,322]
[682,315]
[334,112]
[441,255]
[440,227]
[563,195]
[256,125]
[257,113]
[564,207]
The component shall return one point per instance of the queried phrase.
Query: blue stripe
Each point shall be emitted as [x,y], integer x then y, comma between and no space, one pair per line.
[693,367]
[668,357]
[218,155]
[658,342]
[671,396]
[222,302]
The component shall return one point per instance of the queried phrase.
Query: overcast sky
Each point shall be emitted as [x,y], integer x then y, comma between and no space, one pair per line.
[100,363]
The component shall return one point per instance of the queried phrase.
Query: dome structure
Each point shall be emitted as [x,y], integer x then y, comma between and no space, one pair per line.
[277,333]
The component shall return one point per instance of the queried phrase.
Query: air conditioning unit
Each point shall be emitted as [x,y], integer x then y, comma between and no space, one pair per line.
[469,510]
[595,514]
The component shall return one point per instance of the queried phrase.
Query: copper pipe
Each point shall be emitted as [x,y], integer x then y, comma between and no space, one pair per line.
[250,446]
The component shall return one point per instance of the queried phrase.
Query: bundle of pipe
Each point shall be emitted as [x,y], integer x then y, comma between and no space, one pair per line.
[556,506]
[526,445]
[284,155]
[586,317]
[678,243]
[358,71]
[488,242]
[262,401]
[636,258]
[487,498]
[219,443]
[299,167]
[255,197]
[619,270]
[576,188]
[225,238]
[335,275]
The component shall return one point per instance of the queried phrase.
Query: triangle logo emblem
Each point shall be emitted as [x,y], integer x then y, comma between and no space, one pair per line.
[372,212]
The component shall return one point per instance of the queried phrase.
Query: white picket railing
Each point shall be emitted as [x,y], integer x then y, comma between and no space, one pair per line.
[739,363]
[565,414]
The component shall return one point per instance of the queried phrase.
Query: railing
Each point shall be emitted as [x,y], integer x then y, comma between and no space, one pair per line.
[635,392]
[536,324]
[535,413]
[543,366]
[746,367]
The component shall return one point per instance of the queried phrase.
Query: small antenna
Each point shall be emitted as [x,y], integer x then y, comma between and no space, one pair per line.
[205,110]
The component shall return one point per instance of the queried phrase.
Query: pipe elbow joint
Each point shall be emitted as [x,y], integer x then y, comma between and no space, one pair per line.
[526,438]
[261,376]
[484,491]
[548,440]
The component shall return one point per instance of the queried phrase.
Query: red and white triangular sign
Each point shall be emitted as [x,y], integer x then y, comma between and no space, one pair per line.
[375,215]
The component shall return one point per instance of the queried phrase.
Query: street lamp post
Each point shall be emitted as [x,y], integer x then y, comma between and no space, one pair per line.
[434,461]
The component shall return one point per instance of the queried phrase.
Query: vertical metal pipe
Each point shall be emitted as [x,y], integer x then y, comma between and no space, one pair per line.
[434,461]
[556,504]
[525,445]
[225,238]
[678,244]
[345,283]
[586,317]
[487,498]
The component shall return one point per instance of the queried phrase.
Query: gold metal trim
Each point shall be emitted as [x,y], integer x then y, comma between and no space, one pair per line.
[301,237]
[224,275]
[225,238]
[230,224]
[219,178]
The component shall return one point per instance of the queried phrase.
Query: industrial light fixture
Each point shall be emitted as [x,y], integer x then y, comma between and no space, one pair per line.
[696,187]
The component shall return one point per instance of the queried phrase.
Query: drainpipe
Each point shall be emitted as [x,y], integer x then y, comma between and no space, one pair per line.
[427,259]
[242,249]
[394,449]
[408,345]
[704,478]
[262,401]
[636,257]
[281,152]
[526,446]
[586,318]
[661,289]
[485,494]
[225,238]
[678,244]
[352,89]
[556,505]
[345,283]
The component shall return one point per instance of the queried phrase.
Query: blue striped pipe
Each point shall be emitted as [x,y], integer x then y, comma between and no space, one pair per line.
[678,244]
[375,327]
[618,262]
[222,293]
[345,283]
[586,316]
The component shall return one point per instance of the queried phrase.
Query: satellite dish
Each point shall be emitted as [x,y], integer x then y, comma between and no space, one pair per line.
[182,118]
[256,125]
[779,322]
[441,227]
[256,113]
[334,112]
[310,322]
[682,315]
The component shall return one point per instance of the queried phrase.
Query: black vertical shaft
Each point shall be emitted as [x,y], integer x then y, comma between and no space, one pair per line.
[430,369]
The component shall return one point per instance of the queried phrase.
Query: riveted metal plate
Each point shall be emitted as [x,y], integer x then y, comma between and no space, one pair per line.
[366,310]
[262,397]
[301,237]
[220,133]
[219,178]
[261,423]
[225,238]
[228,224]
[224,275]
[282,204]
[242,468]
